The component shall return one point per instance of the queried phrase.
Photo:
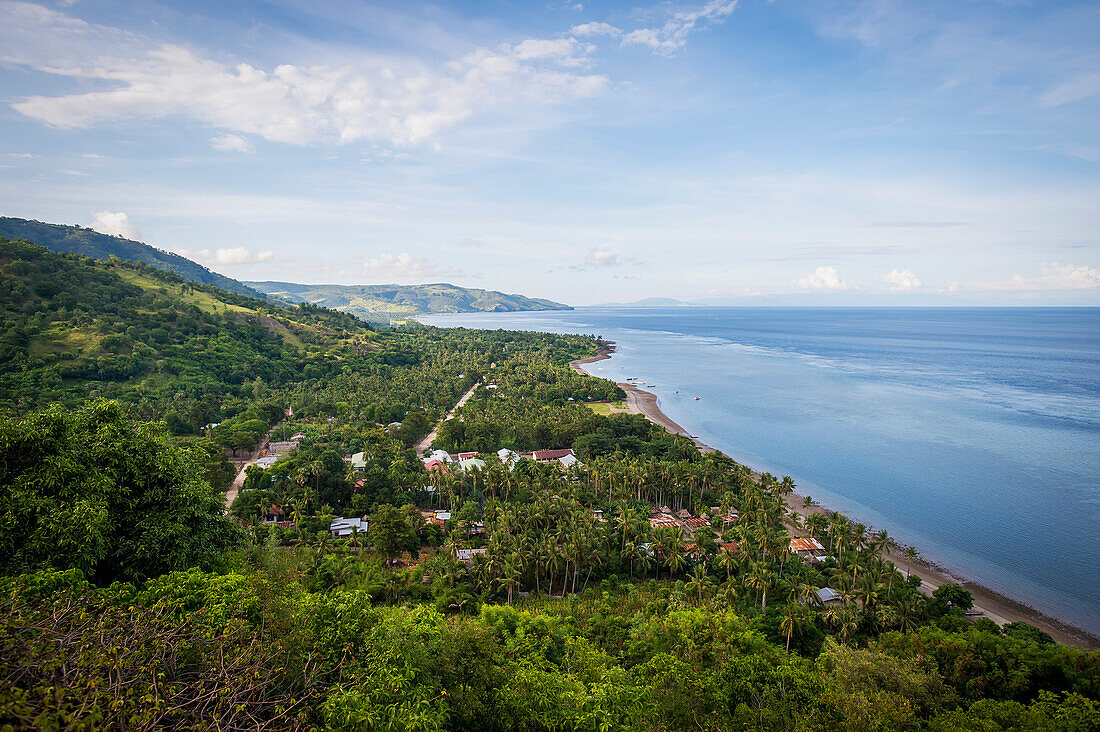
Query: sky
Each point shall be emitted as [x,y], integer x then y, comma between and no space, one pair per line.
[866,152]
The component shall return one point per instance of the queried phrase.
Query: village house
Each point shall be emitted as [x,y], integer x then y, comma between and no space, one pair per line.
[441,455]
[808,548]
[471,463]
[265,461]
[341,527]
[570,460]
[547,457]
[693,524]
[359,462]
[508,458]
[658,519]
[434,465]
[437,518]
[466,556]
[275,516]
[827,596]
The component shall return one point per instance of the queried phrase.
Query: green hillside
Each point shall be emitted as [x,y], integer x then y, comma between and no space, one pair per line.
[79,240]
[72,327]
[384,302]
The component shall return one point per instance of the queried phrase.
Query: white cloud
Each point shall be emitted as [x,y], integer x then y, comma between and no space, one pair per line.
[823,279]
[567,49]
[587,30]
[672,36]
[602,258]
[393,101]
[1053,276]
[227,256]
[608,258]
[230,143]
[115,223]
[239,255]
[902,280]
[405,266]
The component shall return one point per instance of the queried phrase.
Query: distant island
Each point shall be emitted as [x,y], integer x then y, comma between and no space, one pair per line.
[650,302]
[384,302]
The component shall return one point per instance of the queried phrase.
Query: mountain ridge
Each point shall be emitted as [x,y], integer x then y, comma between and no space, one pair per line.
[69,239]
[386,301]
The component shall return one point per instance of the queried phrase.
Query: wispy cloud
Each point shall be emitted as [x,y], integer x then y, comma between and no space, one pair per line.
[393,101]
[672,36]
[608,258]
[822,251]
[587,30]
[903,224]
[1053,276]
[228,256]
[230,143]
[406,267]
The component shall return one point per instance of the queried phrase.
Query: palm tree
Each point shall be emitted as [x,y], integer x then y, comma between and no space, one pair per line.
[910,553]
[729,592]
[509,574]
[758,578]
[699,581]
[792,620]
[728,561]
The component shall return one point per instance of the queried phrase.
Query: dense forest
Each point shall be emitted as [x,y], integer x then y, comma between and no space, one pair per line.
[646,587]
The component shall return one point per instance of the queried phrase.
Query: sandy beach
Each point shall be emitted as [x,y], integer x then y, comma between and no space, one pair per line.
[990,603]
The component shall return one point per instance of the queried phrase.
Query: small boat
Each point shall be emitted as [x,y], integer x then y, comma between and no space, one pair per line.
[696,398]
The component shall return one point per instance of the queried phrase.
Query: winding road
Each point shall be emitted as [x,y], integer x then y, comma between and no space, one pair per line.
[427,441]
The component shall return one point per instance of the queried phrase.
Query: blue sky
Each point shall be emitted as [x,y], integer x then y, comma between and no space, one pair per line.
[805,152]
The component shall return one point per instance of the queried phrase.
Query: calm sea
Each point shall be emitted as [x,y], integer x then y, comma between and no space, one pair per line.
[973,434]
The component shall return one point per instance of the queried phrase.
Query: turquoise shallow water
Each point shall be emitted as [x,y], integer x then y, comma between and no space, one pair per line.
[972,433]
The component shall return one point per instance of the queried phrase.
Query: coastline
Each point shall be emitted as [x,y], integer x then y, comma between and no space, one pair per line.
[992,604]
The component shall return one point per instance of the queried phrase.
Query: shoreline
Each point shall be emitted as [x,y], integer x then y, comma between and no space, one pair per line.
[993,605]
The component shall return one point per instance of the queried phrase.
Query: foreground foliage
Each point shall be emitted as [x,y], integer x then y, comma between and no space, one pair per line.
[254,649]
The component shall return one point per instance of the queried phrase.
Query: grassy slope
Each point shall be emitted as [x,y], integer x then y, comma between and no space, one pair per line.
[78,240]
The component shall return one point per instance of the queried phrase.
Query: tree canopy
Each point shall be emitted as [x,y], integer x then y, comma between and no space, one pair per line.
[92,490]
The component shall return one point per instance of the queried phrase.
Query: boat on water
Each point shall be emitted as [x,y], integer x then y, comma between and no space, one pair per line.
[696,398]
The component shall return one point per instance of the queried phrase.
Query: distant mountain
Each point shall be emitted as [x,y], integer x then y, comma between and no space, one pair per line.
[383,302]
[650,302]
[79,240]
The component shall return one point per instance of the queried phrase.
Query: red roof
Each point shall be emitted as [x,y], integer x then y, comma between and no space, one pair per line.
[696,523]
[467,455]
[435,465]
[806,544]
[552,454]
[662,520]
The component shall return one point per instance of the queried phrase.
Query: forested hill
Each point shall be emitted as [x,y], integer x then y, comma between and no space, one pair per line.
[89,243]
[72,327]
[382,302]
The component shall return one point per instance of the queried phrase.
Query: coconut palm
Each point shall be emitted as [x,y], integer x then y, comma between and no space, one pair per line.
[699,582]
[793,619]
[909,553]
[759,578]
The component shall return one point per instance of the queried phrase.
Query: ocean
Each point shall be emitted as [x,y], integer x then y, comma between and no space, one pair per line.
[973,434]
